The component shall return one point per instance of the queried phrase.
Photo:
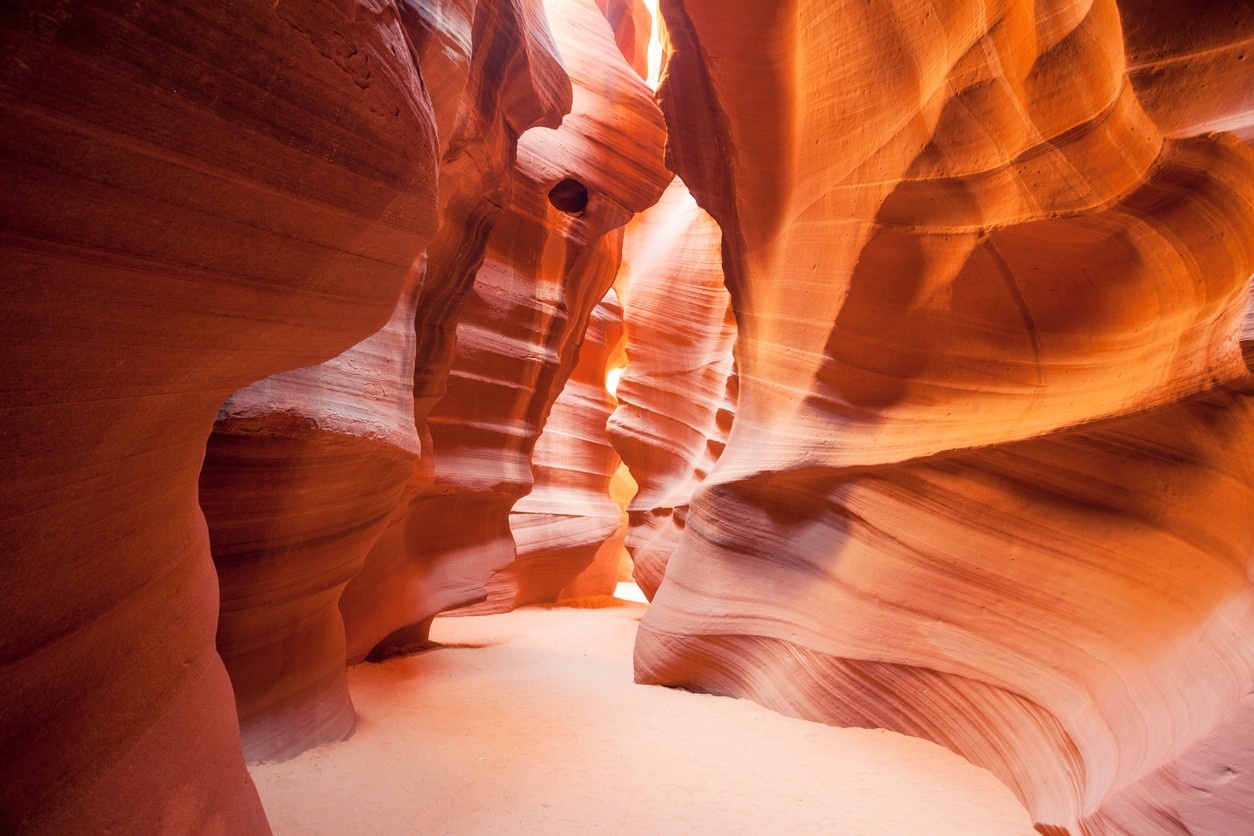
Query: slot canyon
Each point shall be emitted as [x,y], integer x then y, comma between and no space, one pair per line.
[362,359]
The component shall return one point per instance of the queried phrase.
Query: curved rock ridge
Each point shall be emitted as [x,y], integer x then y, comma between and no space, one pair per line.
[677,395]
[569,521]
[1190,63]
[1207,790]
[549,259]
[989,480]
[632,25]
[304,468]
[195,197]
[887,610]
[611,565]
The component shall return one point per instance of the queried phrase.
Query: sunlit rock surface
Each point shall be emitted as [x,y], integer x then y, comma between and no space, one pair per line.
[550,258]
[195,196]
[569,521]
[303,469]
[678,392]
[632,25]
[989,480]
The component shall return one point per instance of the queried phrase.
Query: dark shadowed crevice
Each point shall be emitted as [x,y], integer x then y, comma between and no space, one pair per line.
[569,196]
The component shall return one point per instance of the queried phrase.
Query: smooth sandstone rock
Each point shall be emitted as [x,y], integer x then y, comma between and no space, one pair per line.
[1190,64]
[677,393]
[304,469]
[551,256]
[632,25]
[989,480]
[569,521]
[195,197]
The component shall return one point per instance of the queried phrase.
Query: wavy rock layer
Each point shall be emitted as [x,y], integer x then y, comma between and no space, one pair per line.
[569,521]
[633,26]
[1190,64]
[303,469]
[678,393]
[989,480]
[550,258]
[194,197]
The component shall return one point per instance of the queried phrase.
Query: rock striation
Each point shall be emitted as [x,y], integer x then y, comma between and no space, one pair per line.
[678,392]
[569,528]
[1190,64]
[550,257]
[973,279]
[303,469]
[990,476]
[194,197]
[632,25]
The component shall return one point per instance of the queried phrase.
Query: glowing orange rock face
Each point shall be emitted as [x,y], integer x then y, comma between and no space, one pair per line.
[678,391]
[304,468]
[550,257]
[1190,64]
[195,196]
[567,530]
[990,478]
[632,25]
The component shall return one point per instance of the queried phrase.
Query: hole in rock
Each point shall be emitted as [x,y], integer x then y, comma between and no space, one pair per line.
[569,196]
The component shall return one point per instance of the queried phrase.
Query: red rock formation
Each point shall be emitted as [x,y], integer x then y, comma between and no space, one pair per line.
[611,565]
[676,404]
[569,520]
[632,25]
[551,256]
[195,196]
[990,479]
[303,469]
[1190,63]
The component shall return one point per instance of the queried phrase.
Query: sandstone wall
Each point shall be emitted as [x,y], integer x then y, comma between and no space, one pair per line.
[194,197]
[550,258]
[304,469]
[990,479]
[569,521]
[678,392]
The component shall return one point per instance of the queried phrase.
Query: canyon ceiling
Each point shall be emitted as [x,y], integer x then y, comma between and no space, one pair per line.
[934,329]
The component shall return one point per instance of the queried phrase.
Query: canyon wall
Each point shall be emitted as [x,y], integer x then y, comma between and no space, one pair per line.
[1189,63]
[569,521]
[990,478]
[303,469]
[550,257]
[678,392]
[195,197]
[986,272]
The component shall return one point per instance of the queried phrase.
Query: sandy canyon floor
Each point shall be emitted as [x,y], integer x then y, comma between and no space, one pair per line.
[530,722]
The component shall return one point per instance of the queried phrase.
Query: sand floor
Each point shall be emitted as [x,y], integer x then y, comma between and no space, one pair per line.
[530,723]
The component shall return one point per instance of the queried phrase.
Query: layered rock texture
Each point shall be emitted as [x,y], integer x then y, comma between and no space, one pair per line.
[194,197]
[568,531]
[1190,64]
[304,469]
[938,396]
[990,477]
[678,392]
[550,258]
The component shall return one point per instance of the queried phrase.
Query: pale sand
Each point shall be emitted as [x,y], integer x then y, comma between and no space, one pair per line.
[530,723]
